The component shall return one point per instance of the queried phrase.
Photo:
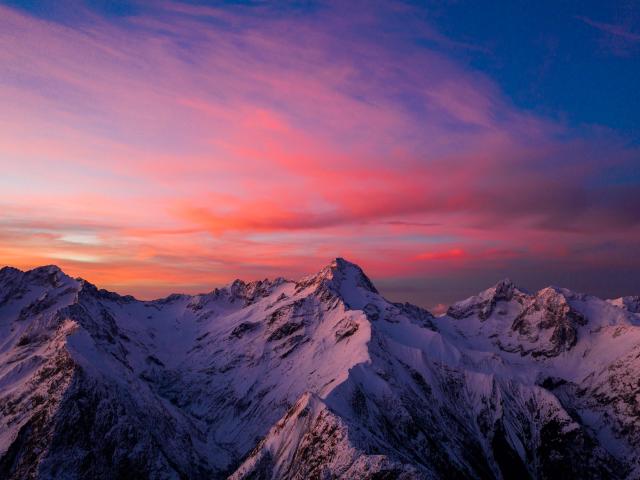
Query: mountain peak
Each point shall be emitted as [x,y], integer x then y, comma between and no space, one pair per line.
[9,271]
[338,264]
[44,271]
[503,289]
[346,268]
[47,275]
[342,264]
[52,268]
[485,302]
[504,283]
[629,303]
[340,275]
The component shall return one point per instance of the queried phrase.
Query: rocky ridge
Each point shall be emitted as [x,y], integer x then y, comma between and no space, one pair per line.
[320,378]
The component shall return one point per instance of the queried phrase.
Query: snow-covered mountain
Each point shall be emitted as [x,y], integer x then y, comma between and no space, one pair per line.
[320,378]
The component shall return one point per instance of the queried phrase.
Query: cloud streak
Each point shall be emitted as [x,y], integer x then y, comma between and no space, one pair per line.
[613,29]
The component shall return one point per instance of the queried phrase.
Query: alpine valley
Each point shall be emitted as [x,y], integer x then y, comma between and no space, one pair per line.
[316,379]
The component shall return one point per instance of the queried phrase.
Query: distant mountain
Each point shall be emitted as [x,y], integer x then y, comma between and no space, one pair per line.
[316,379]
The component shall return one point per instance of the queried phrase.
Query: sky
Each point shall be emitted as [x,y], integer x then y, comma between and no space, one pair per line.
[173,146]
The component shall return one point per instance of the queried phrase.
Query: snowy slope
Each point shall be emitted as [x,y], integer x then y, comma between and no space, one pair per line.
[320,378]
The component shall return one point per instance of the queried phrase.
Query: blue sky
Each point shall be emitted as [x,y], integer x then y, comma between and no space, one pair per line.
[563,59]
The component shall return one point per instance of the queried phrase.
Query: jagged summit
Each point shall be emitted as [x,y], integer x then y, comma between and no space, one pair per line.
[47,274]
[45,269]
[342,265]
[8,269]
[504,288]
[340,276]
[250,291]
[630,303]
[484,303]
[88,288]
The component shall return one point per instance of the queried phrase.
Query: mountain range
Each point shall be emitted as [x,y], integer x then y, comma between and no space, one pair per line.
[319,378]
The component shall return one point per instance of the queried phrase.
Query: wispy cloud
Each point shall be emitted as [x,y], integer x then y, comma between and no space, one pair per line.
[618,38]
[617,30]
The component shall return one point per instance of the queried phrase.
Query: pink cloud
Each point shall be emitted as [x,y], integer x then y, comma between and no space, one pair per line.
[446,255]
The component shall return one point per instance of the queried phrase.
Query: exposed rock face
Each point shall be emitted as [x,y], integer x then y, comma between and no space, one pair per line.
[549,314]
[632,303]
[484,304]
[321,378]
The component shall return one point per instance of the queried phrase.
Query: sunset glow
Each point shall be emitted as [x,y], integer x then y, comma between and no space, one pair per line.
[176,146]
